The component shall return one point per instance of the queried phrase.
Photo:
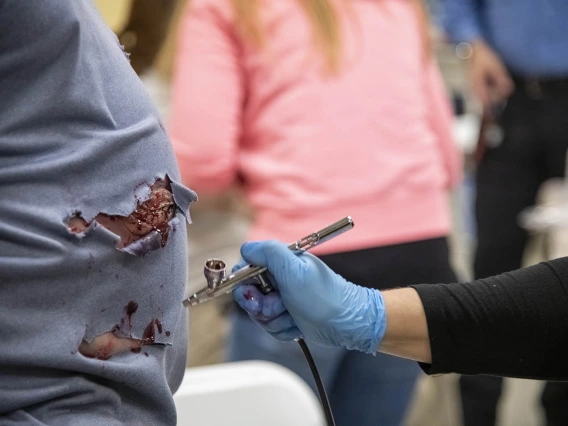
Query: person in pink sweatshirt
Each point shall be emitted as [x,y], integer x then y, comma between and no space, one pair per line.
[319,109]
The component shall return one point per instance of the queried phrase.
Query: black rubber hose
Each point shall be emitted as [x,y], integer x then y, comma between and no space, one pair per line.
[321,388]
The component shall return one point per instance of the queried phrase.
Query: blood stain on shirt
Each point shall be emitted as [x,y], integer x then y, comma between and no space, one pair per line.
[158,325]
[130,309]
[149,335]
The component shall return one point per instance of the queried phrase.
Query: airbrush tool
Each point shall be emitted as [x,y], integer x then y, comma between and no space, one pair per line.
[219,284]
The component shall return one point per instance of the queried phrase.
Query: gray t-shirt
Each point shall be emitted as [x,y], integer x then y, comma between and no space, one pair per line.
[79,136]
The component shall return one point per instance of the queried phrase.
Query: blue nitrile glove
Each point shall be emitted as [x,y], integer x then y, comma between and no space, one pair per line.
[311,301]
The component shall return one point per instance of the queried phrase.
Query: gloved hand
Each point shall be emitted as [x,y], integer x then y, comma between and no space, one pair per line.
[311,301]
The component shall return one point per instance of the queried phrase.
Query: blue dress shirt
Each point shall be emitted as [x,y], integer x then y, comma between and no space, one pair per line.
[531,36]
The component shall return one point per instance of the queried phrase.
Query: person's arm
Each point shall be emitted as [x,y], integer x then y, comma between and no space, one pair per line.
[406,334]
[490,79]
[208,95]
[514,325]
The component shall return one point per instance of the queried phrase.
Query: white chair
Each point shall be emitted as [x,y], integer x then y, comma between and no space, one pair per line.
[250,393]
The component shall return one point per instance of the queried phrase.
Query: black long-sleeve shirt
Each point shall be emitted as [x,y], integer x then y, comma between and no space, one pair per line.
[513,325]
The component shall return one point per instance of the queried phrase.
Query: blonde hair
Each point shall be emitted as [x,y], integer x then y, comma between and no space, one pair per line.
[324,20]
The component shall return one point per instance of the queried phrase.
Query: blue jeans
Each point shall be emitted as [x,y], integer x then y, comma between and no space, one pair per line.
[364,390]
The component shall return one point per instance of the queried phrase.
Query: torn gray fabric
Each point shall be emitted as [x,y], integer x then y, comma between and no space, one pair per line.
[78,133]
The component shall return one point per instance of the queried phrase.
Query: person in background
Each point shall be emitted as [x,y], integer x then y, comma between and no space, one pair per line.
[519,72]
[317,110]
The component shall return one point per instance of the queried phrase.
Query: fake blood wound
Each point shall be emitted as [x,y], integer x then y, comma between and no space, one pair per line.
[150,215]
[248,295]
[104,353]
[153,215]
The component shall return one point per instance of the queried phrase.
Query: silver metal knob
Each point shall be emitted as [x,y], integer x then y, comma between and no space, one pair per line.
[214,270]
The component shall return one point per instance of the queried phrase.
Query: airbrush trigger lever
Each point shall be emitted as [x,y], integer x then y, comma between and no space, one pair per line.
[264,284]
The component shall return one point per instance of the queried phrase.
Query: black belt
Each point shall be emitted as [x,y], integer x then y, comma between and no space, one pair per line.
[541,88]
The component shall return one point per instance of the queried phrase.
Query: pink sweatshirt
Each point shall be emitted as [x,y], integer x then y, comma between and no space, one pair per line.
[372,142]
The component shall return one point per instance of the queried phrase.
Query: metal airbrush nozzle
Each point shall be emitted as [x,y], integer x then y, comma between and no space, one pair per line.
[218,284]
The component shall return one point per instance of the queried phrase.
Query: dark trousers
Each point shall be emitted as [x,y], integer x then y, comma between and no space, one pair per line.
[397,265]
[532,150]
